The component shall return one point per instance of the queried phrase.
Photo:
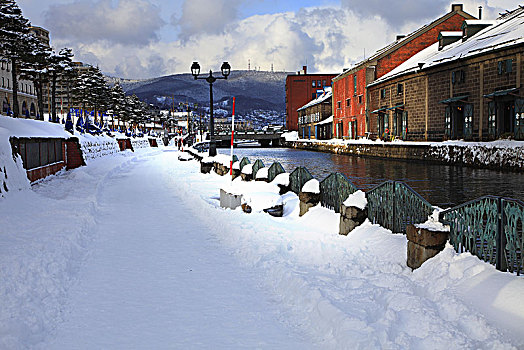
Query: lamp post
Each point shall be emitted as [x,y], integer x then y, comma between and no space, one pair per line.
[195,70]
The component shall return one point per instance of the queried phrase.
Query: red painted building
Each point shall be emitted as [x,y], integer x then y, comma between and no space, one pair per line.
[350,98]
[300,89]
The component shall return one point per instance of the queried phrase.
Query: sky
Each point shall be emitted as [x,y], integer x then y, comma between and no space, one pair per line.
[139,39]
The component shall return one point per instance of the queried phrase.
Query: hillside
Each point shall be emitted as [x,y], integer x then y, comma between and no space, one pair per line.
[252,89]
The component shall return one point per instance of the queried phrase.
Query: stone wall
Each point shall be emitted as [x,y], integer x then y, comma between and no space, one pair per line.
[476,154]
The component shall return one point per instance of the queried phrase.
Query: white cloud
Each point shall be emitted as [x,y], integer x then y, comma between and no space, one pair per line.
[206,17]
[130,22]
[328,38]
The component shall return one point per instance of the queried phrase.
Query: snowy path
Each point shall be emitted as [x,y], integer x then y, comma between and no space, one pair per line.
[133,252]
[157,279]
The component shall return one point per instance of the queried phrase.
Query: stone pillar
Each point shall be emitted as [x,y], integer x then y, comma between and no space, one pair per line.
[351,217]
[307,200]
[228,200]
[424,243]
[236,173]
[220,169]
[205,168]
[246,177]
[283,189]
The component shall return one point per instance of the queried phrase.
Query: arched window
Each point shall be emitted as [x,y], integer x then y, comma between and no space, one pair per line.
[24,108]
[32,111]
[5,106]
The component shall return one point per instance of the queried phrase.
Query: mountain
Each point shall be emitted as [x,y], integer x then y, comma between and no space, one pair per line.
[253,90]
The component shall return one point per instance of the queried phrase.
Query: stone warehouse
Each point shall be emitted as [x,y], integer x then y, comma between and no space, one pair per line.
[350,98]
[468,86]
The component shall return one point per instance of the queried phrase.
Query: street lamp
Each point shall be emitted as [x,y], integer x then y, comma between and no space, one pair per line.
[226,70]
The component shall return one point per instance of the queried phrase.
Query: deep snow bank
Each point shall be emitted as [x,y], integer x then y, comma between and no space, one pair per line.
[356,292]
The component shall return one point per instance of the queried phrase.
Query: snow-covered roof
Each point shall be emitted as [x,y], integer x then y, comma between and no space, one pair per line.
[326,121]
[505,33]
[325,96]
[479,22]
[398,43]
[448,34]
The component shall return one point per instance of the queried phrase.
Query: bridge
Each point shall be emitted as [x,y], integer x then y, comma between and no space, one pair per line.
[265,138]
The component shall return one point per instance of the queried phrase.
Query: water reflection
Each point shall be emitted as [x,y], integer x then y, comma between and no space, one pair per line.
[442,185]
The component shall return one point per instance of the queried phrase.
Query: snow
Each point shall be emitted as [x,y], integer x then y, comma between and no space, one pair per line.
[290,136]
[356,199]
[134,251]
[281,179]
[222,159]
[184,156]
[247,169]
[433,224]
[262,173]
[312,186]
[31,128]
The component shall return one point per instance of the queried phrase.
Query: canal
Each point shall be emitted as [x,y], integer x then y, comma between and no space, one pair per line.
[441,185]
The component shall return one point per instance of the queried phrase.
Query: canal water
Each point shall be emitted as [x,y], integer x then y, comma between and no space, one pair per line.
[442,185]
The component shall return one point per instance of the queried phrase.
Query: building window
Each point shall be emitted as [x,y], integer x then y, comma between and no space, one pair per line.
[313,83]
[360,99]
[323,83]
[339,104]
[383,93]
[348,102]
[318,84]
[355,85]
[400,89]
[3,65]
[458,77]
[505,66]
[313,96]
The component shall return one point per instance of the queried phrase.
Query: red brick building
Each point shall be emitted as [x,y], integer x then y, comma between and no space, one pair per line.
[350,98]
[468,86]
[300,89]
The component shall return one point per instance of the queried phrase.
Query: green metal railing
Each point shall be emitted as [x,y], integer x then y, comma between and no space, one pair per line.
[275,169]
[257,166]
[491,228]
[298,178]
[394,205]
[380,204]
[334,190]
[513,233]
[245,161]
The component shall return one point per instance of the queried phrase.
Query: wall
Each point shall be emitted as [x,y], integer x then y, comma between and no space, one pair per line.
[435,85]
[343,89]
[476,155]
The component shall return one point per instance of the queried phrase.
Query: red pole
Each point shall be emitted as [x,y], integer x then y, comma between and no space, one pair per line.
[232,138]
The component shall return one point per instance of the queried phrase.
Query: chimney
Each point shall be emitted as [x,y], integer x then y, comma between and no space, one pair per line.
[400,37]
[304,68]
[456,7]
[480,12]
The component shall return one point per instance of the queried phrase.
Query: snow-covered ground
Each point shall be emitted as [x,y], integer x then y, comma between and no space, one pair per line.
[134,252]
